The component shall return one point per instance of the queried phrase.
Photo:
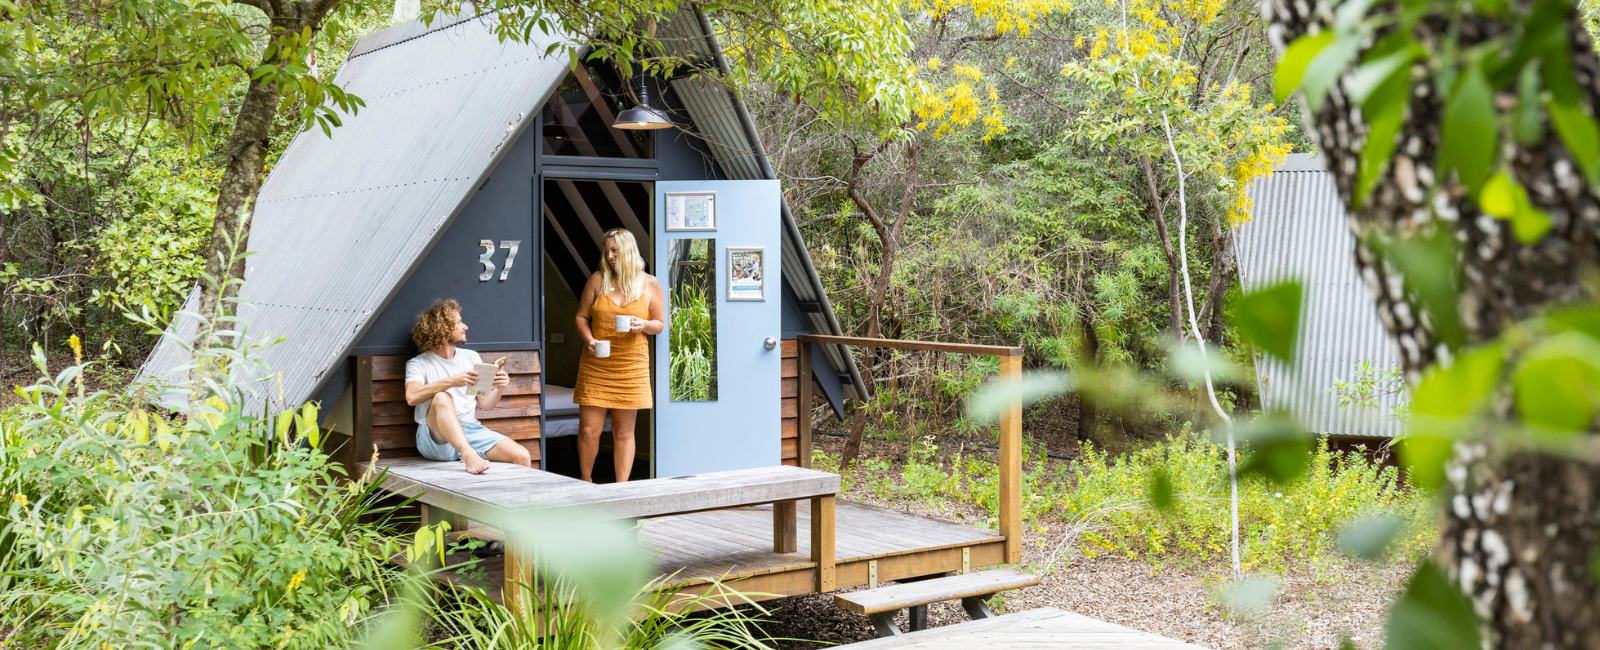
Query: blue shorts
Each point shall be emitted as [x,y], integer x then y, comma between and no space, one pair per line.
[479,438]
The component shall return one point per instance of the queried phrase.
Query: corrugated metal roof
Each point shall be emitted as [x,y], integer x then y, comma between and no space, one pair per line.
[729,131]
[342,221]
[1299,230]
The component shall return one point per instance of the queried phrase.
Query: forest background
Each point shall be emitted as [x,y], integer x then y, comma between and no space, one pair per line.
[999,181]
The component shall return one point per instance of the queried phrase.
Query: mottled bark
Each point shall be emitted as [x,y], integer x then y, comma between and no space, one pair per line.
[1521,528]
[247,149]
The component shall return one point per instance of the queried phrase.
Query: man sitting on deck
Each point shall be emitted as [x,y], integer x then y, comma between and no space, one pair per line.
[436,384]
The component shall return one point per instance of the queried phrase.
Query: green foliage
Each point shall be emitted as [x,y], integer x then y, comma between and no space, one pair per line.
[694,346]
[1370,386]
[224,530]
[1269,318]
[1279,523]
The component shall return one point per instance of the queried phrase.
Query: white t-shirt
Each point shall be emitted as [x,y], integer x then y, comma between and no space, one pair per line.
[429,367]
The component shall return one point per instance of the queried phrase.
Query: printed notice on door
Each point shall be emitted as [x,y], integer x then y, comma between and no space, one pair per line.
[746,271]
[692,211]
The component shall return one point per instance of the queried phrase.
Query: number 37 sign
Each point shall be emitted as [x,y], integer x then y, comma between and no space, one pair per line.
[487,258]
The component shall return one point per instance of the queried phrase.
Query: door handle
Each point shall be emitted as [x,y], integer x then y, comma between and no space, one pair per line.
[770,343]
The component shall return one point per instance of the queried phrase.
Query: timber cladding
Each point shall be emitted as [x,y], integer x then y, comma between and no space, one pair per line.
[791,404]
[394,429]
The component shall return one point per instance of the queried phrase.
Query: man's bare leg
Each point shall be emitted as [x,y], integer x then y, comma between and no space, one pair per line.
[445,428]
[622,425]
[510,451]
[591,420]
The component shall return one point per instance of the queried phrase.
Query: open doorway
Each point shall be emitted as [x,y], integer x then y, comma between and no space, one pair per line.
[576,214]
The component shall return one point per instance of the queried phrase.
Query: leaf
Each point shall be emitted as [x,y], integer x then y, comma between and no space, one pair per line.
[1323,70]
[986,404]
[1385,110]
[1270,318]
[1431,615]
[1441,408]
[1526,124]
[1189,364]
[1578,131]
[1161,489]
[1280,447]
[1428,266]
[1292,68]
[1373,74]
[1470,131]
[1558,382]
[1249,593]
[1368,537]
[1505,198]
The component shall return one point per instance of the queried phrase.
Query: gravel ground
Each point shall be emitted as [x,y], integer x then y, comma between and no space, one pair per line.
[1318,603]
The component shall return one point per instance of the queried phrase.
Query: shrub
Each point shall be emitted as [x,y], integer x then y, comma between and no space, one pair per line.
[1277,522]
[123,529]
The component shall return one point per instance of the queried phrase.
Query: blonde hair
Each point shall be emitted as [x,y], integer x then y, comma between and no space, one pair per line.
[628,277]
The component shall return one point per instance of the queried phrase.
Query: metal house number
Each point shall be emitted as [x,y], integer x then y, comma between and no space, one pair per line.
[487,258]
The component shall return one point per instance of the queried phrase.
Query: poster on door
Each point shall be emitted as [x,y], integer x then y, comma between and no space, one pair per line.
[747,273]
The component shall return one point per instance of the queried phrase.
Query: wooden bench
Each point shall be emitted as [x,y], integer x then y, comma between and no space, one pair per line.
[506,490]
[880,604]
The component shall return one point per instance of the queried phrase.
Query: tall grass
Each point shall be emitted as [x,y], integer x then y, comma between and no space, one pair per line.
[694,347]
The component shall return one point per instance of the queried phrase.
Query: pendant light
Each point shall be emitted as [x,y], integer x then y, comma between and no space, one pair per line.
[642,117]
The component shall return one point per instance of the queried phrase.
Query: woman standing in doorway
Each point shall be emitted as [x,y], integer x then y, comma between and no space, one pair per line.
[618,379]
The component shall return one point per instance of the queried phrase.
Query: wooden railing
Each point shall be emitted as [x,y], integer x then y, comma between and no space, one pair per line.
[1010,419]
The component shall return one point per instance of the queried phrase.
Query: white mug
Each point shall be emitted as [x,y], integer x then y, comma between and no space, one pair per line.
[624,323]
[602,348]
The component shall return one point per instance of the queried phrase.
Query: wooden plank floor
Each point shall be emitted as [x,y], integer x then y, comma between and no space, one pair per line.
[731,544]
[1046,628]
[693,551]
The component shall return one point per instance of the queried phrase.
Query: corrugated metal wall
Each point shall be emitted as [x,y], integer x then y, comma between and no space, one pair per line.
[341,221]
[1299,231]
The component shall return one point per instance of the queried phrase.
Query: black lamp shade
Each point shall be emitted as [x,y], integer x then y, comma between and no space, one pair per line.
[641,117]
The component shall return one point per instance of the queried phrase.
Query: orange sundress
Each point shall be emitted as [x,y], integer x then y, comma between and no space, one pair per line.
[622,380]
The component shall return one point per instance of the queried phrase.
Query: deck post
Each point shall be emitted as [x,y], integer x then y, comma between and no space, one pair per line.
[822,541]
[802,421]
[785,529]
[519,575]
[1011,463]
[360,443]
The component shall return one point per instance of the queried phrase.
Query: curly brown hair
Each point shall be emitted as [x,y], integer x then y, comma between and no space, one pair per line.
[435,324]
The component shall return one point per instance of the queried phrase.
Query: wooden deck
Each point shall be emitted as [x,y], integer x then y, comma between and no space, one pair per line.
[872,545]
[1046,628]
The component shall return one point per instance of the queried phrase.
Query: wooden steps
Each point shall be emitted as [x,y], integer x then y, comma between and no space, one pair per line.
[881,603]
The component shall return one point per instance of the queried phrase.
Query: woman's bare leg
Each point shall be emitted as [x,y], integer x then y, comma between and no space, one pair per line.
[622,424]
[591,420]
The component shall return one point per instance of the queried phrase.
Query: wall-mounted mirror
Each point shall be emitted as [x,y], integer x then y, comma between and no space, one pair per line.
[692,321]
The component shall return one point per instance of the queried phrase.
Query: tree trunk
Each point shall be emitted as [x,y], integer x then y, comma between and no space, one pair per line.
[1086,407]
[1174,281]
[1520,532]
[236,195]
[889,239]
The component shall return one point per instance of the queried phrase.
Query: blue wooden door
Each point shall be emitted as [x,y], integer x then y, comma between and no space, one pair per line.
[740,271]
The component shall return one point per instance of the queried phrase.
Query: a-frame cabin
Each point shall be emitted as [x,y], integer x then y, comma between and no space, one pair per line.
[485,172]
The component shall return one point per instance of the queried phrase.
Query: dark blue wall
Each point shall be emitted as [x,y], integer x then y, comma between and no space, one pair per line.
[499,315]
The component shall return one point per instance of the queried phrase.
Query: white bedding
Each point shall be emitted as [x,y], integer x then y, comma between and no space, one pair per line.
[558,399]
